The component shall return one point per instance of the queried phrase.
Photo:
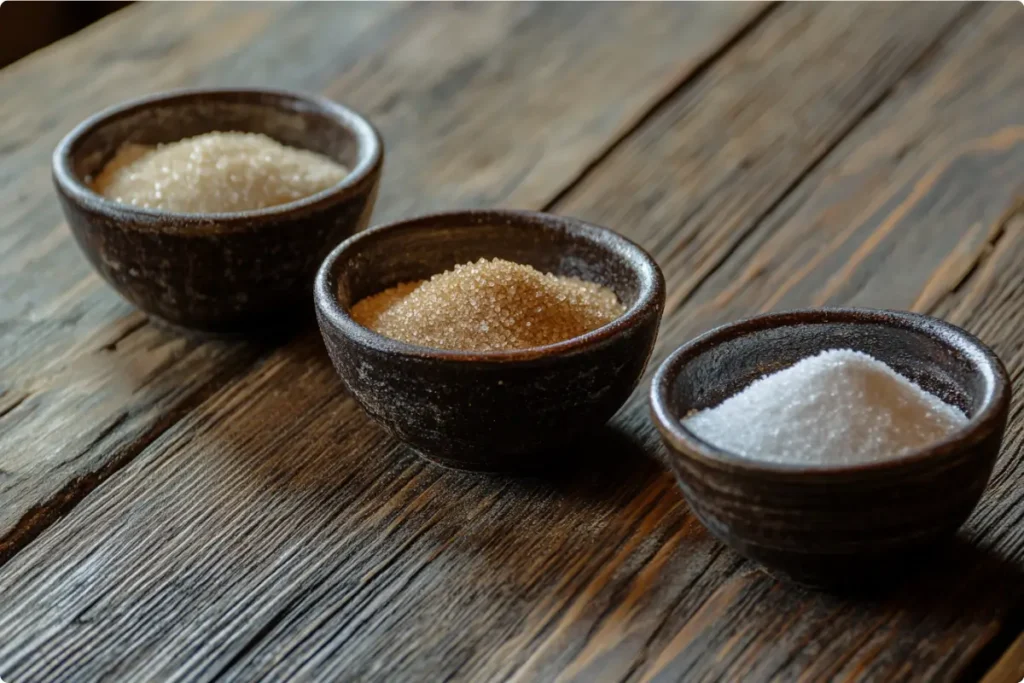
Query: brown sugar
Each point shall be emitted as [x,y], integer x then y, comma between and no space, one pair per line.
[215,173]
[489,305]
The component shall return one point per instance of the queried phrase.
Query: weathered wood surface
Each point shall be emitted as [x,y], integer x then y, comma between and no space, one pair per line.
[478,104]
[320,548]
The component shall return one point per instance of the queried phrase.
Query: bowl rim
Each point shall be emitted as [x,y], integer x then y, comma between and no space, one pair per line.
[650,297]
[684,444]
[370,150]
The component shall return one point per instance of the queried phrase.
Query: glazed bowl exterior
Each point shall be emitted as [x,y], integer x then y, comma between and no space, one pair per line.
[834,525]
[218,272]
[492,411]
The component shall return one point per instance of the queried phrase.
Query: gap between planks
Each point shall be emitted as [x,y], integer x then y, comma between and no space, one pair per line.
[39,518]
[688,77]
[675,300]
[966,261]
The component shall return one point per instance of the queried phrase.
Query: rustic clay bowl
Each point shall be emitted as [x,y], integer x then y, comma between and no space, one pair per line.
[222,272]
[834,525]
[490,411]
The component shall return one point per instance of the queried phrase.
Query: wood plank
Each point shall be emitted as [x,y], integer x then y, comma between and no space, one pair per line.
[322,549]
[86,381]
[1010,667]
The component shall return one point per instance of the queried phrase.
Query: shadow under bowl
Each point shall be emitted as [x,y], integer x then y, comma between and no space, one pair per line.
[835,526]
[218,272]
[490,411]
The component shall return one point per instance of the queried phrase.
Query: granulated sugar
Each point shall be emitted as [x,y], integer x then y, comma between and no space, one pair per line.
[840,406]
[215,172]
[491,305]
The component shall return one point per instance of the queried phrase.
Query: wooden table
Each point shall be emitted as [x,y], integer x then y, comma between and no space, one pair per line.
[183,510]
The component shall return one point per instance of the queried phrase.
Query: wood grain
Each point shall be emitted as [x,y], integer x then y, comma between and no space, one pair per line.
[1010,667]
[320,549]
[478,104]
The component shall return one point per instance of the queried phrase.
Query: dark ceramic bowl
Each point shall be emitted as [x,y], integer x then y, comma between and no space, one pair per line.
[491,411]
[218,272]
[834,525]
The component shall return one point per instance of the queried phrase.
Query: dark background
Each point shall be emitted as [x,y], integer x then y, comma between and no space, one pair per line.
[27,26]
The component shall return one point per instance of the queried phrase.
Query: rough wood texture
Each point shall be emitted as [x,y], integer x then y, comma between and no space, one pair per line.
[477,104]
[319,548]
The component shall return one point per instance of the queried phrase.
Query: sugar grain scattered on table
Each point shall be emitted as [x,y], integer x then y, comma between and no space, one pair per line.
[489,305]
[214,173]
[840,406]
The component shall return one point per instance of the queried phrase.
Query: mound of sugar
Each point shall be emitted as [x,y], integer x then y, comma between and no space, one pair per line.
[215,173]
[489,305]
[839,406]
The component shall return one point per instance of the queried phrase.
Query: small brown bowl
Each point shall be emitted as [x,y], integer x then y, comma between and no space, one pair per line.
[834,525]
[490,411]
[218,272]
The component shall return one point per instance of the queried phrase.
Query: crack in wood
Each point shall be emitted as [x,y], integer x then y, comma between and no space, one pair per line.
[957,270]
[112,345]
[275,619]
[10,400]
[1003,139]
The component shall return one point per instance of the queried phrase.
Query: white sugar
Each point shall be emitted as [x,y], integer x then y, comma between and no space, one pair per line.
[840,406]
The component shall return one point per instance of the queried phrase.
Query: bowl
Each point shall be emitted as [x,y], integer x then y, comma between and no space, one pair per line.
[218,272]
[834,525]
[490,411]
